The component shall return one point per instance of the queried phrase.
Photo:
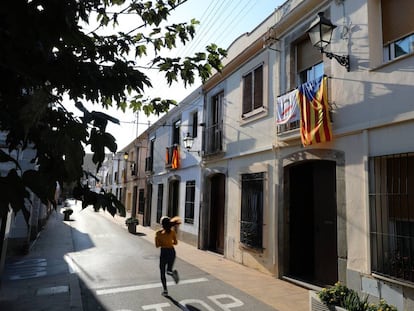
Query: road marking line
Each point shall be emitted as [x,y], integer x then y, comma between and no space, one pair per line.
[144,286]
[71,264]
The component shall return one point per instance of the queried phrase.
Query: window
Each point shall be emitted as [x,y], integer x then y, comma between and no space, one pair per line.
[195,124]
[251,225]
[176,133]
[397,28]
[253,90]
[141,202]
[159,201]
[309,61]
[189,202]
[214,131]
[392,215]
[149,161]
[311,73]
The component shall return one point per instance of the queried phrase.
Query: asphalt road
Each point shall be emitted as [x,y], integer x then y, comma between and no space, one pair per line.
[119,271]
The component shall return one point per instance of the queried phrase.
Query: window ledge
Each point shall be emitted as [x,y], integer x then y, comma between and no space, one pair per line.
[289,135]
[254,115]
[392,280]
[251,248]
[392,61]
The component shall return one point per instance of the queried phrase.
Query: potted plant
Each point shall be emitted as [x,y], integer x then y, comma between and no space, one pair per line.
[132,223]
[340,297]
[66,214]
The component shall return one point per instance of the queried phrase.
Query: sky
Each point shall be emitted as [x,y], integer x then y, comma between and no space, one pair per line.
[221,22]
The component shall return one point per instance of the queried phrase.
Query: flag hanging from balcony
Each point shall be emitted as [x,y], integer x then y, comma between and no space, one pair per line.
[315,124]
[287,108]
[175,161]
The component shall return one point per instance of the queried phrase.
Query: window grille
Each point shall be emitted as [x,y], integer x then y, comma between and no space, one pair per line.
[251,225]
[391,198]
[189,202]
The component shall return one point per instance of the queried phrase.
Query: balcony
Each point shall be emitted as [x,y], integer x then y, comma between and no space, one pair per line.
[307,108]
[172,157]
[213,139]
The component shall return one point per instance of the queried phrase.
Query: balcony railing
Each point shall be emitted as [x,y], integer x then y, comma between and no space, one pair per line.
[213,139]
[288,106]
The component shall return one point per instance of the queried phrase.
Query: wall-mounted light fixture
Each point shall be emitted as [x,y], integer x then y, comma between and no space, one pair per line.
[188,143]
[320,34]
[132,165]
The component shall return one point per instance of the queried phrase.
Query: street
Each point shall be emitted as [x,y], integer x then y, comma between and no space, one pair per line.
[119,271]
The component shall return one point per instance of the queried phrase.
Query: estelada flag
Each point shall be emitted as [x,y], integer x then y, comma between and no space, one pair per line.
[315,122]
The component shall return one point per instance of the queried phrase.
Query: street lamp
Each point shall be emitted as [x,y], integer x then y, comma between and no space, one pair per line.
[320,34]
[188,143]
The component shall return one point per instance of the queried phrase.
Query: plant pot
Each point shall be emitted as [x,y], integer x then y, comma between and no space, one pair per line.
[315,304]
[66,214]
[132,228]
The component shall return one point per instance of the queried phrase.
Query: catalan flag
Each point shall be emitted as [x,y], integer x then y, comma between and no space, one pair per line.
[175,161]
[315,123]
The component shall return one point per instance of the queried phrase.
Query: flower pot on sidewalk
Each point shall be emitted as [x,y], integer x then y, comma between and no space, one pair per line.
[315,303]
[132,228]
[66,214]
[132,224]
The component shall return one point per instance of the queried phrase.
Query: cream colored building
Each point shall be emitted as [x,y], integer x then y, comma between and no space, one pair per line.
[336,210]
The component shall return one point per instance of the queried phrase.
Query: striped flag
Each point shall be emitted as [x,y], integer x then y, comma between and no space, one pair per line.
[315,124]
[175,161]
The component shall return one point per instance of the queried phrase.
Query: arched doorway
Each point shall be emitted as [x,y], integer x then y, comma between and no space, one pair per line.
[310,222]
[216,214]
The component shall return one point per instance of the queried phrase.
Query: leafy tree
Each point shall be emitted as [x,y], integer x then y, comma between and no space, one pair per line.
[53,48]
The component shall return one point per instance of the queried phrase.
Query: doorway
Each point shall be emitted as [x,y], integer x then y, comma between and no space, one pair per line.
[216,218]
[173,198]
[311,222]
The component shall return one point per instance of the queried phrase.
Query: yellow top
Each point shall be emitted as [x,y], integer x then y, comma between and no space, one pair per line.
[165,239]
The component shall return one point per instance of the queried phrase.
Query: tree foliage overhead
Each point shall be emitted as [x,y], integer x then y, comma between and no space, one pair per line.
[54,48]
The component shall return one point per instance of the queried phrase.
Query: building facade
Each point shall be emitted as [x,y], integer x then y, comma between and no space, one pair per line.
[173,172]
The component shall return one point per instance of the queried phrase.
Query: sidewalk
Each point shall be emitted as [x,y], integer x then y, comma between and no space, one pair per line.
[41,280]
[281,295]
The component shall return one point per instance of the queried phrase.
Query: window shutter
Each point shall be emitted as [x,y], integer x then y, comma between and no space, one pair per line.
[247,93]
[258,87]
[397,19]
[307,55]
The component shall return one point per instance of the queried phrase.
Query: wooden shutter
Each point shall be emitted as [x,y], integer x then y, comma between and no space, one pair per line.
[307,55]
[258,87]
[397,19]
[247,92]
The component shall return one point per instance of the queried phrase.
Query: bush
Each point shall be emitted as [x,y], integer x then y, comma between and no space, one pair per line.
[341,296]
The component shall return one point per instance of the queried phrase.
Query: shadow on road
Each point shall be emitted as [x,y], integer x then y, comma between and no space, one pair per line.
[181,306]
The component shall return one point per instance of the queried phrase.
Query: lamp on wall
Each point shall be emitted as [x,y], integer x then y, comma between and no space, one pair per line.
[320,34]
[126,156]
[188,143]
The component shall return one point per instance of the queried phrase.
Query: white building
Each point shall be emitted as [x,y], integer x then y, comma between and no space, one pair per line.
[175,173]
